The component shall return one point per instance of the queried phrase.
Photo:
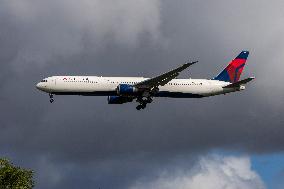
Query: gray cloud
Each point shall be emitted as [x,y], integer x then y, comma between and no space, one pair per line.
[65,28]
[85,136]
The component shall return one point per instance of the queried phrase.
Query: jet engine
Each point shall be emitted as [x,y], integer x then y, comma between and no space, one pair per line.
[118,99]
[126,90]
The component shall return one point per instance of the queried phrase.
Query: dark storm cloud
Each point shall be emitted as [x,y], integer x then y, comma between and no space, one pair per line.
[85,140]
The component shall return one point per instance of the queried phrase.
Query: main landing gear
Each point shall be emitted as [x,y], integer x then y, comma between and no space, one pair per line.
[141,106]
[143,103]
[51,98]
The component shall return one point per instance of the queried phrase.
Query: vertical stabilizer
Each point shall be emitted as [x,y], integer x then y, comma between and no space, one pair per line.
[234,70]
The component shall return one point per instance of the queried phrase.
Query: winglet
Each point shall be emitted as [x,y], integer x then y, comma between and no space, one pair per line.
[191,63]
[186,65]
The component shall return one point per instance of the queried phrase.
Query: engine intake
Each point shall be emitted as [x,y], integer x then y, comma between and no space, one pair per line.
[118,99]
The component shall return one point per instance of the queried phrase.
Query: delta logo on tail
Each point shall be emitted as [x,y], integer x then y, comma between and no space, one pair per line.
[234,70]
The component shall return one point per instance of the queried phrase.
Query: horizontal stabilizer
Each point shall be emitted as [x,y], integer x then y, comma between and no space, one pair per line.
[239,83]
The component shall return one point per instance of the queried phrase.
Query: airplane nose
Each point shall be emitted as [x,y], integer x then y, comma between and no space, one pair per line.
[38,86]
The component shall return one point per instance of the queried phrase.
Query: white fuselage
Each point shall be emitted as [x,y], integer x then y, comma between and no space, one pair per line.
[107,86]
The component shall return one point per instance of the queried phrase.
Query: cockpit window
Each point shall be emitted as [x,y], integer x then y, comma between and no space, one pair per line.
[44,80]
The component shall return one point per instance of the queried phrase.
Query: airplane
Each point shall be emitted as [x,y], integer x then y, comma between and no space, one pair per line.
[120,90]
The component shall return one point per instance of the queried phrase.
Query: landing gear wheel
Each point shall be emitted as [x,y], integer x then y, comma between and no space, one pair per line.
[51,98]
[143,102]
[139,107]
[143,106]
[149,100]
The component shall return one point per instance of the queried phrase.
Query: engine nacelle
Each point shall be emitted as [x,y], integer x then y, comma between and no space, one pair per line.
[118,99]
[126,90]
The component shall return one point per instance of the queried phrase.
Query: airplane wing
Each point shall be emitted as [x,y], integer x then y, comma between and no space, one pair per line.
[239,83]
[164,78]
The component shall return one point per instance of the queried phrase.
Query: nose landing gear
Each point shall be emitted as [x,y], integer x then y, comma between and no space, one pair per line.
[51,98]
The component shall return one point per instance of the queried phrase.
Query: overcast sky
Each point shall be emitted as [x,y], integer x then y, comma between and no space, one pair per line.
[82,142]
